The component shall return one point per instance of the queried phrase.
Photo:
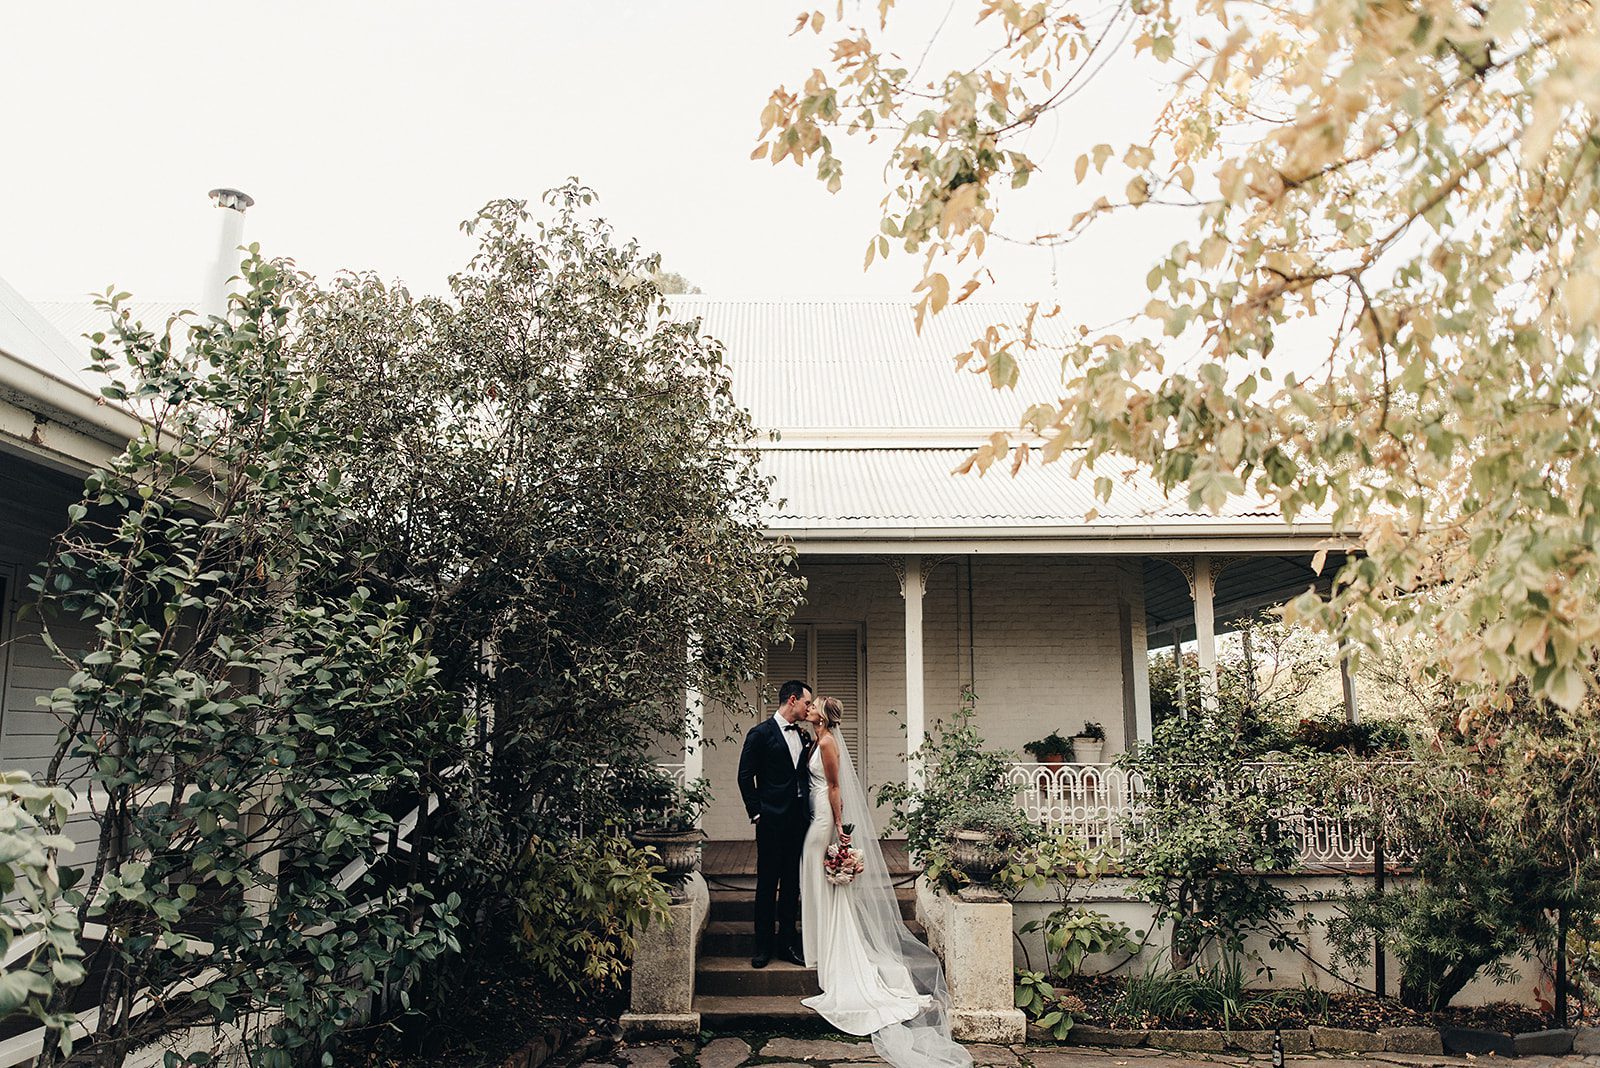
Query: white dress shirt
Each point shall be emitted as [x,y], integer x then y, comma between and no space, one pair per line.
[792,738]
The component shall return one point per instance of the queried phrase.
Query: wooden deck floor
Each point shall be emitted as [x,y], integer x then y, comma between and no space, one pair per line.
[739,858]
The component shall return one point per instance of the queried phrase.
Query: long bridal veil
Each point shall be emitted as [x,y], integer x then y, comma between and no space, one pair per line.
[903,963]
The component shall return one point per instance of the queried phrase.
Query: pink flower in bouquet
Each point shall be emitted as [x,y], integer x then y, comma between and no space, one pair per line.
[841,864]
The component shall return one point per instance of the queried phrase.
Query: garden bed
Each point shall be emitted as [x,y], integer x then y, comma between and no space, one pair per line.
[1108,1002]
[502,1015]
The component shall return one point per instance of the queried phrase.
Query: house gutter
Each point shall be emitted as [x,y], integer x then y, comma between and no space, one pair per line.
[59,422]
[1130,538]
[67,427]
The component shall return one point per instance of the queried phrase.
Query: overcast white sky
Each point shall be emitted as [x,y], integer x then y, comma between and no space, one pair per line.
[367,131]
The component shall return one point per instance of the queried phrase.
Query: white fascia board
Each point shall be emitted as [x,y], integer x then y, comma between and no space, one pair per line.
[1139,540]
[59,421]
[52,444]
[887,438]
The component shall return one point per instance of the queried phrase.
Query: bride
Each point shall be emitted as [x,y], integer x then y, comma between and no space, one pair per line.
[876,978]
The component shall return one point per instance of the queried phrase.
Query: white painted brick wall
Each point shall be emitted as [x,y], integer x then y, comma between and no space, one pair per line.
[1046,646]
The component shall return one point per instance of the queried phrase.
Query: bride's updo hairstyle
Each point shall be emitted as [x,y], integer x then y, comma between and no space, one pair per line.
[832,711]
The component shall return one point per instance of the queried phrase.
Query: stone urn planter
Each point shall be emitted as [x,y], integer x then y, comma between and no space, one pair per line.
[679,852]
[978,858]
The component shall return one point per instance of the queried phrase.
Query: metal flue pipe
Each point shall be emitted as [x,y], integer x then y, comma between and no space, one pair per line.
[230,235]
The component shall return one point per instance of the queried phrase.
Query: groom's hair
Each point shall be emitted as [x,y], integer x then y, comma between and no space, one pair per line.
[792,688]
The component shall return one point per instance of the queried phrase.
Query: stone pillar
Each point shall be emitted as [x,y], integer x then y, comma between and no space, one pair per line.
[911,588]
[974,940]
[662,1002]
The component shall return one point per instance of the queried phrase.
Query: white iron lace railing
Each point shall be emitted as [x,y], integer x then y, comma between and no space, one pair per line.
[1098,803]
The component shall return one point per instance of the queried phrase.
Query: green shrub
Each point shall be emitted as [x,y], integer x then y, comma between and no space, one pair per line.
[1497,821]
[965,787]
[578,904]
[34,902]
[1217,992]
[1051,745]
[1482,892]
[1051,1009]
[1072,934]
[649,798]
[253,713]
[1208,836]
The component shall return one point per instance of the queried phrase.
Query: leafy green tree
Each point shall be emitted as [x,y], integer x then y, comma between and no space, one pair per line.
[558,481]
[248,715]
[1209,834]
[1500,828]
[1417,181]
[372,549]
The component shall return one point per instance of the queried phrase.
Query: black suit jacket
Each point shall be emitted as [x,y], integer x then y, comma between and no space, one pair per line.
[772,786]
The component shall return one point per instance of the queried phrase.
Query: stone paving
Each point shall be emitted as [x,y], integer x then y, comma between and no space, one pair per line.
[736,1052]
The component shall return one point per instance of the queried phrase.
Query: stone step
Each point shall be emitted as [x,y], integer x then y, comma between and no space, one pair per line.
[730,938]
[749,1014]
[738,906]
[733,977]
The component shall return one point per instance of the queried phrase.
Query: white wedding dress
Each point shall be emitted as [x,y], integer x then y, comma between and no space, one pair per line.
[876,978]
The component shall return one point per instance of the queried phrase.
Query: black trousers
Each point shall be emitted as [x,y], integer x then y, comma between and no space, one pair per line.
[778,845]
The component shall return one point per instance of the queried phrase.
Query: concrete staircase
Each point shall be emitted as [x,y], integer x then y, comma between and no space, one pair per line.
[731,995]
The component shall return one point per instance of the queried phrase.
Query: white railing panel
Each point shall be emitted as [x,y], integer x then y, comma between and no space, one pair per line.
[1098,803]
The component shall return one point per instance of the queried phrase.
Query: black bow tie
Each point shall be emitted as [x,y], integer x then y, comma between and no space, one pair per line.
[792,727]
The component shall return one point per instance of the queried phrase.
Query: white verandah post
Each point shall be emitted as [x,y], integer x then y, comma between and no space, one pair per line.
[1177,665]
[694,754]
[911,590]
[1205,628]
[1347,683]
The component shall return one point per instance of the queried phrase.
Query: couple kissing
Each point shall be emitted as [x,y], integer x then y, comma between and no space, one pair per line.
[801,790]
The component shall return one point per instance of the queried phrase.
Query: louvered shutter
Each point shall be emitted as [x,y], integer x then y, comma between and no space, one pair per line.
[787,661]
[838,675]
[828,657]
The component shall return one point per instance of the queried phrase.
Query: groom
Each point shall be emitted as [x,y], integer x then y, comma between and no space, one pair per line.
[774,781]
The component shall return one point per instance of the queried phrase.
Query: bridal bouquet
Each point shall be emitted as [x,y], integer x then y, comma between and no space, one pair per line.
[841,864]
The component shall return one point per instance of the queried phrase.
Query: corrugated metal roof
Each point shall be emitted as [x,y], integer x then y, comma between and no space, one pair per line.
[78,318]
[862,400]
[27,334]
[864,489]
[852,365]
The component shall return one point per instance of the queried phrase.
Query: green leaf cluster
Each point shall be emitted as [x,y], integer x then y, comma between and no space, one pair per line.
[251,712]
[37,922]
[964,786]
[1209,834]
[580,905]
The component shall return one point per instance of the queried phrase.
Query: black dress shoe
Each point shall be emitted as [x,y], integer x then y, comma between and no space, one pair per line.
[793,956]
[760,960]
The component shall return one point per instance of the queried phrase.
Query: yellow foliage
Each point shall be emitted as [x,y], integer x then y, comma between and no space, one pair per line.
[1419,183]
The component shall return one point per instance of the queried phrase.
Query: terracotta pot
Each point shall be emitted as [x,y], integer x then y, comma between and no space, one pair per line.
[1054,760]
[679,852]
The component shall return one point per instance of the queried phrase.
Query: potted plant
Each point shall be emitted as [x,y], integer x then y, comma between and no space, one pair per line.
[985,835]
[1089,744]
[669,818]
[1052,749]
